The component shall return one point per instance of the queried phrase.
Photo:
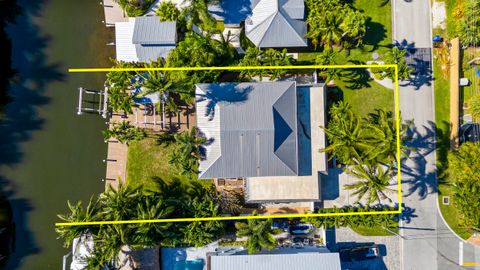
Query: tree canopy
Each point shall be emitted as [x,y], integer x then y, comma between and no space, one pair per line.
[334,22]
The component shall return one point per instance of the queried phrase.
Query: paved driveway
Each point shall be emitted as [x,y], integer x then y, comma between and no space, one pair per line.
[389,248]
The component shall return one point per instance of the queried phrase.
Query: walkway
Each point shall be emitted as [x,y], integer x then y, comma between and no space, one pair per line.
[429,243]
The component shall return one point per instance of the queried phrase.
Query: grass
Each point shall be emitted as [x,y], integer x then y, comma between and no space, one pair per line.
[378,37]
[373,231]
[146,159]
[366,100]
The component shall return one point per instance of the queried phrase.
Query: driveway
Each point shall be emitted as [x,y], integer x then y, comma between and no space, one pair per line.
[389,248]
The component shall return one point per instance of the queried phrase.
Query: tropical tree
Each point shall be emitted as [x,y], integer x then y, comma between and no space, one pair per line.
[120,203]
[396,56]
[332,22]
[474,106]
[124,132]
[327,57]
[200,233]
[77,213]
[468,202]
[135,8]
[258,232]
[119,100]
[464,163]
[196,13]
[167,11]
[189,150]
[347,140]
[269,57]
[382,133]
[373,182]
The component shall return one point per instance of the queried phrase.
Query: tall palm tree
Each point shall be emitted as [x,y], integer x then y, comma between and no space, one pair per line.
[167,11]
[382,130]
[259,233]
[330,30]
[373,182]
[77,213]
[120,203]
[189,150]
[347,140]
[119,100]
[397,56]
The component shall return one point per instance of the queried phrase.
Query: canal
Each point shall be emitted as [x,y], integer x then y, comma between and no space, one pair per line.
[48,154]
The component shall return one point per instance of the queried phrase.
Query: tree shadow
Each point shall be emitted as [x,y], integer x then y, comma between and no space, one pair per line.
[376,33]
[420,179]
[34,73]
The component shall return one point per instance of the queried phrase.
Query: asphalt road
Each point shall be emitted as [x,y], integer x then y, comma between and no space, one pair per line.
[428,243]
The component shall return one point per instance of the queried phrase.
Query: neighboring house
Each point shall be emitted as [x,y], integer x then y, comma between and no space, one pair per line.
[268,23]
[266,132]
[277,23]
[144,39]
[280,261]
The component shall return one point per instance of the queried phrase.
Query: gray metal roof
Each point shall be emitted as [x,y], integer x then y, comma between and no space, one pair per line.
[150,30]
[304,261]
[277,23]
[148,53]
[251,128]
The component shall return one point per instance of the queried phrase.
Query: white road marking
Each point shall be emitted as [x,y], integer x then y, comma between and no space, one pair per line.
[460,253]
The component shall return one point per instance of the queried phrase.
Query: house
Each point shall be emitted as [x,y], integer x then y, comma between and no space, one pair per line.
[267,133]
[268,23]
[277,23]
[144,39]
[278,261]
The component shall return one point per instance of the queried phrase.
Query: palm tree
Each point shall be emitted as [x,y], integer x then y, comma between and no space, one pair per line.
[259,233]
[189,150]
[119,100]
[347,140]
[120,203]
[78,214]
[383,135]
[167,11]
[200,233]
[373,181]
[354,27]
[330,30]
[124,132]
[397,56]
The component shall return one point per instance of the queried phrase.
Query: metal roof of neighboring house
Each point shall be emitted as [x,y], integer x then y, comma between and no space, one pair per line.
[124,48]
[277,23]
[251,128]
[304,261]
[150,30]
[154,39]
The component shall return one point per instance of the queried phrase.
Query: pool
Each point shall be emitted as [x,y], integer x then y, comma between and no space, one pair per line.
[189,265]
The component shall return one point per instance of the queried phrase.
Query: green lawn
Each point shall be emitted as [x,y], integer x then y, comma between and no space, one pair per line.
[378,37]
[372,231]
[366,99]
[146,159]
[442,120]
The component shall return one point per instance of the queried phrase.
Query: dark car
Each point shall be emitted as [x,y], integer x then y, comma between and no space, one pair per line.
[359,253]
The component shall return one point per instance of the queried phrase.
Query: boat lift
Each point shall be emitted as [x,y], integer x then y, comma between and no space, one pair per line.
[102,101]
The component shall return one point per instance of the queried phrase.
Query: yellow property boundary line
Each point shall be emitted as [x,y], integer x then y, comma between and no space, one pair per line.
[239,68]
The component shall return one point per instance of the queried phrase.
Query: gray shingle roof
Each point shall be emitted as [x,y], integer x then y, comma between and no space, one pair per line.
[150,30]
[277,23]
[252,128]
[304,261]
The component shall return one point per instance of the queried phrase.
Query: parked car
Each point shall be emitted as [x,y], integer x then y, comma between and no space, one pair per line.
[359,253]
[301,229]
